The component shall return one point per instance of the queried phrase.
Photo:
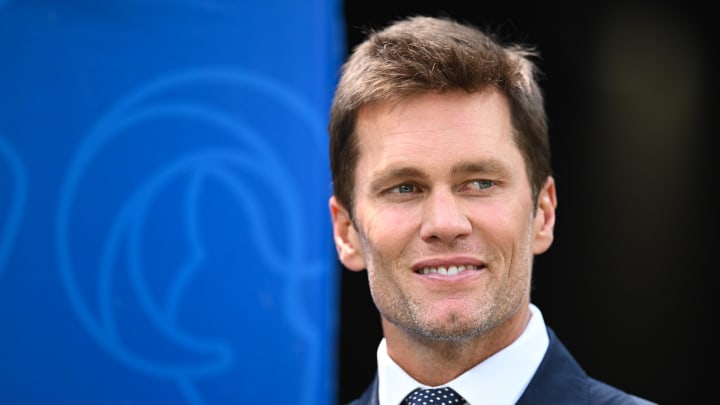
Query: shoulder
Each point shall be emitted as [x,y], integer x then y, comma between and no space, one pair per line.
[369,397]
[603,393]
[561,380]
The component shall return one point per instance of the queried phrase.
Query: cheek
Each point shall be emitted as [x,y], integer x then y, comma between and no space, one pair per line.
[504,220]
[391,229]
[507,229]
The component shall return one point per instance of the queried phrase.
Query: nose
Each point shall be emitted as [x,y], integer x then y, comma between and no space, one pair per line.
[443,218]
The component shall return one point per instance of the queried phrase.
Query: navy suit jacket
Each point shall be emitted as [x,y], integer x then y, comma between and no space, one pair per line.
[559,380]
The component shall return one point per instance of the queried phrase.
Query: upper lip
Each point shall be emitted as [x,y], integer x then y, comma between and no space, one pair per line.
[447,261]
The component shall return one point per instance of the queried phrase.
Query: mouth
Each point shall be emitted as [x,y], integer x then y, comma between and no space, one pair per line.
[451,270]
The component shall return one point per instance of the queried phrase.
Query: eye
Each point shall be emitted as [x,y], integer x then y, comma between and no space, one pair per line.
[481,184]
[404,189]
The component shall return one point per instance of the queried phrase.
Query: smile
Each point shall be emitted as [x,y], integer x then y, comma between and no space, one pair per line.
[446,271]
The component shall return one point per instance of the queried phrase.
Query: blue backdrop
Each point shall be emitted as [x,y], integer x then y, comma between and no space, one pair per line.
[164,233]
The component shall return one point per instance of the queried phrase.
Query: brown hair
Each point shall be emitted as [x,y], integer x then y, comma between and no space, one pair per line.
[436,54]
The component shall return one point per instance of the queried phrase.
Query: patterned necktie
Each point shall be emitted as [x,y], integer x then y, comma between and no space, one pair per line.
[434,396]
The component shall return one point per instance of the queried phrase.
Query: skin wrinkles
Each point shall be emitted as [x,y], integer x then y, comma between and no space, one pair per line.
[438,144]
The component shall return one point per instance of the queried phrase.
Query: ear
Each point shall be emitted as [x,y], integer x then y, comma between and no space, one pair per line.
[544,221]
[347,240]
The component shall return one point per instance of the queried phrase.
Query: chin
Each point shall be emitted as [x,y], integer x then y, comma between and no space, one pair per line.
[452,328]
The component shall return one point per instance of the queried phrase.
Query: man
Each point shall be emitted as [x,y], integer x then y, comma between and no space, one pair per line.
[443,192]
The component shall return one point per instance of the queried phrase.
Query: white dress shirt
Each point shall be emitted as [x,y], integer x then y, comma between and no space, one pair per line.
[500,379]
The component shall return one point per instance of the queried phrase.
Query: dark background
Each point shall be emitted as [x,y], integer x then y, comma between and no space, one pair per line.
[628,284]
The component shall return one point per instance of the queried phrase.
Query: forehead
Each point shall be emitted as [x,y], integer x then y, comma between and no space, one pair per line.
[448,126]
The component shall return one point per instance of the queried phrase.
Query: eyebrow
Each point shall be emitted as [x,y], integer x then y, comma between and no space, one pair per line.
[384,177]
[486,166]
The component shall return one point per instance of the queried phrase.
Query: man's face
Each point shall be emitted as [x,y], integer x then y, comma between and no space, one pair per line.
[444,221]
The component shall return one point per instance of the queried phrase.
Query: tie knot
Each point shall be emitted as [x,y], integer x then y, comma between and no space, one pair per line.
[434,396]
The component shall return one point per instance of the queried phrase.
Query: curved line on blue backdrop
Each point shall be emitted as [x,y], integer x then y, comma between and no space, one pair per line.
[136,208]
[178,286]
[106,126]
[297,317]
[227,75]
[17,197]
[126,219]
[188,389]
[302,328]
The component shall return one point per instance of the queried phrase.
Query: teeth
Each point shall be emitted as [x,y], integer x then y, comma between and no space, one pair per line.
[447,271]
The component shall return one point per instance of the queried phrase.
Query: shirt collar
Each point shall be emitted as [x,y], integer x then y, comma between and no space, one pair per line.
[500,379]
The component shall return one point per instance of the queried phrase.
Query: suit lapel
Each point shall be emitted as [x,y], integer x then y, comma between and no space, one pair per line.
[559,379]
[370,396]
